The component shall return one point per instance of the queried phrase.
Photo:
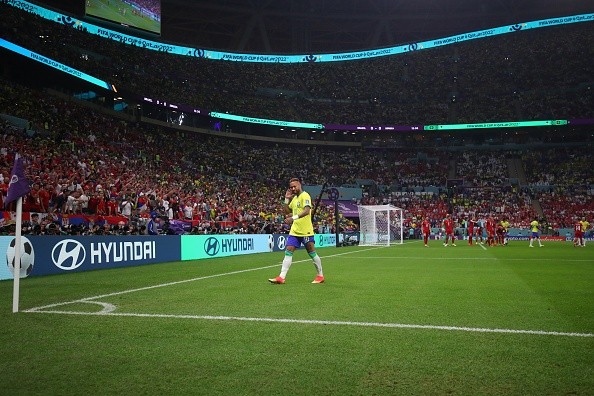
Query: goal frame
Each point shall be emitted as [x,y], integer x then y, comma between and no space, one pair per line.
[373,231]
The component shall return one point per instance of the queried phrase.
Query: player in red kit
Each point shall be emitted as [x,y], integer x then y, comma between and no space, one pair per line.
[499,232]
[578,235]
[426,230]
[490,226]
[470,230]
[448,225]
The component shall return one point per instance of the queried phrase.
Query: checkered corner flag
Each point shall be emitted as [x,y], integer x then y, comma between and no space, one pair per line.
[19,185]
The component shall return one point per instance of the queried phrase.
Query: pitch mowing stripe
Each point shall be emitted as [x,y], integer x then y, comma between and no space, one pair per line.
[88,299]
[327,322]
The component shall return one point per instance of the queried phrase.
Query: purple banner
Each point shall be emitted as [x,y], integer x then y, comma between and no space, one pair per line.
[347,209]
[583,121]
[386,128]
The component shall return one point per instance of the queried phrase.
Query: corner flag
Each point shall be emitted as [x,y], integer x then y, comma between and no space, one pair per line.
[19,185]
[17,189]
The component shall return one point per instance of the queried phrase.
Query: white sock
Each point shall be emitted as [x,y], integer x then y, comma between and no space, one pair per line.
[317,262]
[287,261]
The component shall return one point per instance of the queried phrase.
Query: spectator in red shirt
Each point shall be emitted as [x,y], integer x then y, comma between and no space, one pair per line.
[46,195]
[112,206]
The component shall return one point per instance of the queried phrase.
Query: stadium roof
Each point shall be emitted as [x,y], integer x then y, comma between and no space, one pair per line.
[316,26]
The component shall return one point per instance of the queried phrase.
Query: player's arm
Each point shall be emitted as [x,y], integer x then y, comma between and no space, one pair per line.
[288,198]
[303,213]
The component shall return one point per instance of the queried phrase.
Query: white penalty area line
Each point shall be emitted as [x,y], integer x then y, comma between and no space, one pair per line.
[90,299]
[465,258]
[326,322]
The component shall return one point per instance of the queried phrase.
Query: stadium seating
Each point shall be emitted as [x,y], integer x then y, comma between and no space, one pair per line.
[233,186]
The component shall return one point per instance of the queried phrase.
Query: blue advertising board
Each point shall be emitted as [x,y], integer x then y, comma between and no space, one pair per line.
[279,241]
[63,254]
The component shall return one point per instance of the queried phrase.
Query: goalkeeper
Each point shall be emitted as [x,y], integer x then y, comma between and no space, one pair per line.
[299,206]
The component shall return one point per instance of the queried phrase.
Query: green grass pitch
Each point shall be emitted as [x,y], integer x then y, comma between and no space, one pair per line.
[118,11]
[399,320]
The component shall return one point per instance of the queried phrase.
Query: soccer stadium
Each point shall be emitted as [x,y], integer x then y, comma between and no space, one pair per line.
[297,197]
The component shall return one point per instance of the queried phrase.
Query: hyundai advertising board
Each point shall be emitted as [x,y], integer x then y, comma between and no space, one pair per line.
[210,246]
[45,255]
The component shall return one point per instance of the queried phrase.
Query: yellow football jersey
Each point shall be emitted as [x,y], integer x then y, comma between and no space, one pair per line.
[302,226]
[534,226]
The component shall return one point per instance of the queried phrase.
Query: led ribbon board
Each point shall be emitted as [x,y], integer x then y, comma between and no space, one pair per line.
[305,58]
[265,121]
[52,63]
[509,124]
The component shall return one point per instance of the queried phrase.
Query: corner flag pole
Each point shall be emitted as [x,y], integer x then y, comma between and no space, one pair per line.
[17,256]
[17,189]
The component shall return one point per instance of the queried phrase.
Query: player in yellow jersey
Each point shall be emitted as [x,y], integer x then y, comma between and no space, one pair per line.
[585,226]
[299,208]
[535,227]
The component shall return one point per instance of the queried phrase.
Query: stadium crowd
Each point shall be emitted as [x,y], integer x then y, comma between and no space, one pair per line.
[533,74]
[85,162]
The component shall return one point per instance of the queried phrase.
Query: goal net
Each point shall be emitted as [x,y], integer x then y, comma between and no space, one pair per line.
[380,225]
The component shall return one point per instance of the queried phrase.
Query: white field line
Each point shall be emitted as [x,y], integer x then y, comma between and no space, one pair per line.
[326,322]
[109,308]
[88,299]
[465,258]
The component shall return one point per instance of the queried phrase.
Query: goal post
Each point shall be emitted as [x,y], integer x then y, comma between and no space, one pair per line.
[380,225]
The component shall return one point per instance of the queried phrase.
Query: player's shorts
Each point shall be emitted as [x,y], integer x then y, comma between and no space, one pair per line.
[296,241]
[535,235]
[579,234]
